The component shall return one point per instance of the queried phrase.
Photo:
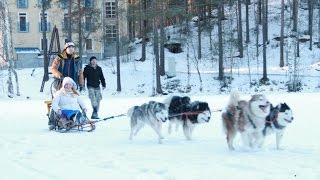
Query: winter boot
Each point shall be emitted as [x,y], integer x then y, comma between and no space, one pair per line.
[95,113]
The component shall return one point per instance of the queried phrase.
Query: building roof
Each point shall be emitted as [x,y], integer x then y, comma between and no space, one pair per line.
[27,50]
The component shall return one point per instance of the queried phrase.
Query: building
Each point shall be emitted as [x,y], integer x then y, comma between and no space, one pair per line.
[98,27]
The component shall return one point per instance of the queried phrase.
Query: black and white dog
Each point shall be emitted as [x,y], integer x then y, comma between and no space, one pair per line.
[277,121]
[189,114]
[151,113]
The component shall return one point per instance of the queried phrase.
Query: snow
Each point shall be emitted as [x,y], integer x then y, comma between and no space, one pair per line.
[28,150]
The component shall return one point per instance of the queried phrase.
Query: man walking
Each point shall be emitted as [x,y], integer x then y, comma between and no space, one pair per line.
[94,76]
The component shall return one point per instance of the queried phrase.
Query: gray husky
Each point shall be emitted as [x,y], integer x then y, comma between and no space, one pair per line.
[151,113]
[246,117]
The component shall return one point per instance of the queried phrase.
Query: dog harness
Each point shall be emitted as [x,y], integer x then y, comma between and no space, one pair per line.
[272,119]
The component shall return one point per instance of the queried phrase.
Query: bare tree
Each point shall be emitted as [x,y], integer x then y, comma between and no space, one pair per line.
[156,50]
[162,40]
[118,48]
[310,21]
[144,30]
[8,49]
[295,25]
[282,34]
[44,7]
[220,16]
[240,39]
[264,42]
[247,22]
[69,20]
[318,25]
[199,30]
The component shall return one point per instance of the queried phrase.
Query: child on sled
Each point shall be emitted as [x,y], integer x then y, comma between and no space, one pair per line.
[68,106]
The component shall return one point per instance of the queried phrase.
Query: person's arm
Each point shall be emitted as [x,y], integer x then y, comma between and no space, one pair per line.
[81,80]
[103,81]
[81,104]
[54,67]
[55,104]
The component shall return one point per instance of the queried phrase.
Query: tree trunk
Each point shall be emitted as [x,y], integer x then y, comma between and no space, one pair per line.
[264,41]
[295,25]
[44,43]
[156,56]
[69,21]
[281,35]
[199,33]
[247,22]
[220,16]
[240,39]
[162,39]
[80,32]
[318,25]
[144,31]
[8,50]
[310,11]
[118,48]
[259,11]
[267,20]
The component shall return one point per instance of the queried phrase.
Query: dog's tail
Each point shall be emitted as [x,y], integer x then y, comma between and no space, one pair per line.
[167,100]
[234,98]
[131,110]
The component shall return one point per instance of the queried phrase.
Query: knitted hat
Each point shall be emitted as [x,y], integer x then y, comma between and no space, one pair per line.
[92,57]
[68,44]
[68,80]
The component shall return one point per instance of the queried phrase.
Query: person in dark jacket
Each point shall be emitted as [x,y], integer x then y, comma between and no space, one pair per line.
[94,76]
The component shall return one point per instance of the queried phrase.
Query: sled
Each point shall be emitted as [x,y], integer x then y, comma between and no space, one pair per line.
[55,120]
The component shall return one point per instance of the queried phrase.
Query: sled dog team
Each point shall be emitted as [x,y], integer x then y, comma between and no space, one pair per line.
[253,119]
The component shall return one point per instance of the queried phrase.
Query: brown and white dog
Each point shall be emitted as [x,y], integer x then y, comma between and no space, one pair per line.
[247,118]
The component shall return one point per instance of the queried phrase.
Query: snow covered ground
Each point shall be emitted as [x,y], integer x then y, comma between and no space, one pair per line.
[29,151]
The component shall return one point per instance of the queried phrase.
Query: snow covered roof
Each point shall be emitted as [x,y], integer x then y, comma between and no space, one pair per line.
[27,50]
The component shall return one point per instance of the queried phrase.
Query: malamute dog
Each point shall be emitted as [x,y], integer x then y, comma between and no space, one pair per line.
[151,113]
[246,117]
[277,121]
[183,111]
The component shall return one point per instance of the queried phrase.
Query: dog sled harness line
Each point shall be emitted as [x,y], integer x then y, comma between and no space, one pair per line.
[187,113]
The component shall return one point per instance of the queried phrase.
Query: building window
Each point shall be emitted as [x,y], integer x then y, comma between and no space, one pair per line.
[47,24]
[23,25]
[65,22]
[88,44]
[111,33]
[22,3]
[110,9]
[88,23]
[64,4]
[88,3]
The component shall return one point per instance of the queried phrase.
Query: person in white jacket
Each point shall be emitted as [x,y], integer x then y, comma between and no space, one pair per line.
[68,105]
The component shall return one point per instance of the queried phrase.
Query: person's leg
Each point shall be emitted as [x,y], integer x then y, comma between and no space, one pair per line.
[94,102]
[98,98]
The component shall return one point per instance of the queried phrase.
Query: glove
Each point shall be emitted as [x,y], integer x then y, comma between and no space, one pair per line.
[61,77]
[103,88]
